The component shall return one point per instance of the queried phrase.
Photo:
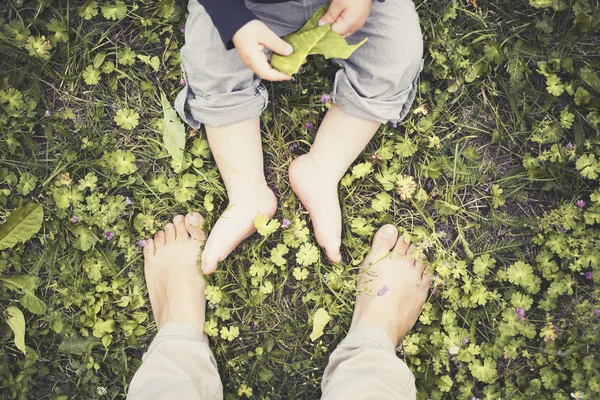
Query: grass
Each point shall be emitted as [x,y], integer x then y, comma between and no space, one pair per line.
[500,152]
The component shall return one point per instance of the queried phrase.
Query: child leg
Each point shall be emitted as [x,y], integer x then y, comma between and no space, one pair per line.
[238,153]
[225,96]
[376,84]
[314,176]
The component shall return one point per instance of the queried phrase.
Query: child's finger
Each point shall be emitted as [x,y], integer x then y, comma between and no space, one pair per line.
[276,44]
[263,69]
[332,14]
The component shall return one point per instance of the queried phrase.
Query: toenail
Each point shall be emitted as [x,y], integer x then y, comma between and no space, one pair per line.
[178,218]
[169,227]
[389,231]
[192,220]
[161,233]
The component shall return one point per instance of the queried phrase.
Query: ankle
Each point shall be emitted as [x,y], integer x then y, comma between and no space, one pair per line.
[324,168]
[246,190]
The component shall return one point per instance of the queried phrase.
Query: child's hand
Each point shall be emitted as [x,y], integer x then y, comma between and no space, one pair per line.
[347,16]
[250,41]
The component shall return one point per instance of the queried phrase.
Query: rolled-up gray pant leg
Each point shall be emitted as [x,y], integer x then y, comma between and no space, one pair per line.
[178,365]
[365,366]
[379,80]
[220,89]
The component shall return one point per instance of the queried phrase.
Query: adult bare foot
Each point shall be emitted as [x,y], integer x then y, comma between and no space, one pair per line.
[175,284]
[392,286]
[317,190]
[236,224]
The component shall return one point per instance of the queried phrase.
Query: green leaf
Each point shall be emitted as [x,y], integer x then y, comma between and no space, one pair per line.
[362,227]
[86,239]
[308,254]
[123,162]
[21,225]
[154,62]
[300,273]
[520,273]
[39,47]
[210,328]
[265,226]
[554,85]
[382,202]
[16,321]
[114,12]
[582,96]
[588,166]
[567,118]
[320,319]
[313,39]
[406,147]
[485,372]
[590,77]
[26,284]
[362,170]
[76,345]
[91,75]
[230,333]
[127,119]
[173,131]
[126,56]
[541,3]
[12,97]
[88,10]
[186,189]
[277,255]
[99,59]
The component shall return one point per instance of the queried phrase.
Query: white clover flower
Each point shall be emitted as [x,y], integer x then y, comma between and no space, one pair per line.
[101,390]
[453,350]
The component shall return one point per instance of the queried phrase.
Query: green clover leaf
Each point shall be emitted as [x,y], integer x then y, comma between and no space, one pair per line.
[127,119]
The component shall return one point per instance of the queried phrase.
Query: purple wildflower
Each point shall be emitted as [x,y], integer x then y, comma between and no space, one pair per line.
[563,229]
[128,201]
[74,219]
[309,126]
[142,243]
[182,29]
[570,146]
[325,98]
[108,235]
[520,313]
[465,341]
[293,146]
[48,113]
[580,203]
[589,275]
[597,312]
[394,125]
[559,353]
[182,82]
[285,223]
[383,290]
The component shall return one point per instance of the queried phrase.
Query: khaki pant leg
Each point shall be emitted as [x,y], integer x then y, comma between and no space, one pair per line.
[365,366]
[178,365]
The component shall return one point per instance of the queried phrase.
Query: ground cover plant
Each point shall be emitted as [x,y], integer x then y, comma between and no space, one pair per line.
[494,174]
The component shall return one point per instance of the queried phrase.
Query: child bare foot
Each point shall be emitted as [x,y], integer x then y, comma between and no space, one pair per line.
[236,224]
[317,190]
[175,285]
[392,286]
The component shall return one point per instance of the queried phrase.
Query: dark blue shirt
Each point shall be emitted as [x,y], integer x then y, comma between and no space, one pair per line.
[230,15]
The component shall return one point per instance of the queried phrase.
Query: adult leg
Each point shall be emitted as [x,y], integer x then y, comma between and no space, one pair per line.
[392,288]
[376,84]
[179,363]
